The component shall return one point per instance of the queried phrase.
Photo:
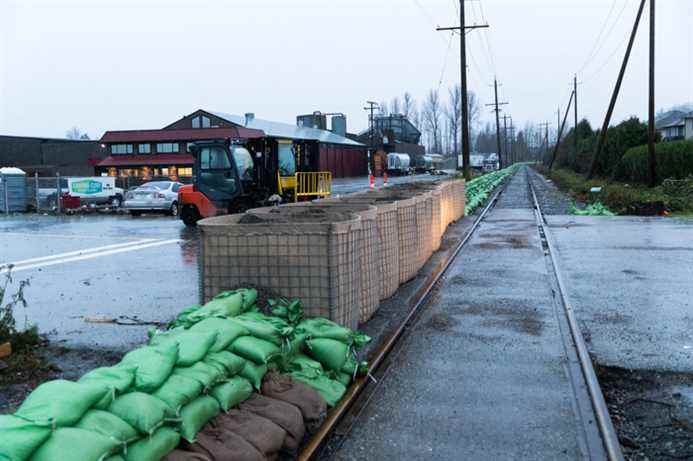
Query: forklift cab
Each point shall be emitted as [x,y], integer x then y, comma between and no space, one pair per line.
[222,172]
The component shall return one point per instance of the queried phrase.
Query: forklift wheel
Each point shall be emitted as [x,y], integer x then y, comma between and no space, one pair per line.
[189,215]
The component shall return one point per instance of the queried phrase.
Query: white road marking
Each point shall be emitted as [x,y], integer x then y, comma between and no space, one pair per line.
[93,255]
[77,252]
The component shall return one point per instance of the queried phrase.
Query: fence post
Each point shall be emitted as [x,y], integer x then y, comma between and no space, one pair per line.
[59,192]
[36,192]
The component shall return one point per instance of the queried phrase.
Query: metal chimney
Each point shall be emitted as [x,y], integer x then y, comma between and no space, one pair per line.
[249,117]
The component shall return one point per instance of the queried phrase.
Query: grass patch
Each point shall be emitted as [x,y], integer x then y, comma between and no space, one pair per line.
[622,198]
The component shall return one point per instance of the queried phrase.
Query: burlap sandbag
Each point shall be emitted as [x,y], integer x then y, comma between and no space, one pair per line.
[219,445]
[180,455]
[311,404]
[262,433]
[283,414]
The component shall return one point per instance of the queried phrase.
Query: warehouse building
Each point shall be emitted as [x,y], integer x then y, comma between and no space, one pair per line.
[50,156]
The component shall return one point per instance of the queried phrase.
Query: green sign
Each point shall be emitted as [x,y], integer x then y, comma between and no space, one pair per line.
[86,186]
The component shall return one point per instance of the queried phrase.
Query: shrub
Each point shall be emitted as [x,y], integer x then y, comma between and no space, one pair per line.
[674,161]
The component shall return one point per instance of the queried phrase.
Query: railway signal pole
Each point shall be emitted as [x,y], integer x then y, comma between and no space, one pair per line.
[462,28]
[497,110]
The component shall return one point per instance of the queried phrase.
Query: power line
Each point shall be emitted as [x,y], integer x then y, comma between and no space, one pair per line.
[445,62]
[607,60]
[599,43]
[486,35]
[599,36]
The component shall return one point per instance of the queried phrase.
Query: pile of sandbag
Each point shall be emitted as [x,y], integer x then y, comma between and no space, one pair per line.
[201,372]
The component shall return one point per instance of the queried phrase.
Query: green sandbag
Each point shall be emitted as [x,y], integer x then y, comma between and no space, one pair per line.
[253,373]
[249,297]
[78,444]
[353,367]
[291,311]
[205,374]
[332,391]
[255,349]
[154,364]
[272,329]
[332,354]
[224,305]
[192,345]
[320,327]
[61,402]
[195,415]
[177,391]
[181,319]
[119,378]
[153,448]
[20,438]
[115,458]
[108,424]
[306,366]
[227,331]
[232,363]
[342,378]
[233,392]
[142,411]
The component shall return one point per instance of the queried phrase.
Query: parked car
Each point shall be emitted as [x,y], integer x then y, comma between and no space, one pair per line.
[161,196]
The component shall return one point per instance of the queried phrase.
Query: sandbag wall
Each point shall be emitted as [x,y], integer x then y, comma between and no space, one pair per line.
[224,380]
[327,259]
[310,256]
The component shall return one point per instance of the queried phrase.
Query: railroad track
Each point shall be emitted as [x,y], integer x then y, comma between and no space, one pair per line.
[600,440]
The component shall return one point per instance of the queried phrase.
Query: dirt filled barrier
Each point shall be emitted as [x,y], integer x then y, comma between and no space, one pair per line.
[370,248]
[310,254]
[388,236]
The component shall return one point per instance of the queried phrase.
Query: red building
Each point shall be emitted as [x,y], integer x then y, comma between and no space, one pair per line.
[164,152]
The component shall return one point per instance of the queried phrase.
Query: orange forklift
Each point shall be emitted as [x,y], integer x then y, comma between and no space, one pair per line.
[234,176]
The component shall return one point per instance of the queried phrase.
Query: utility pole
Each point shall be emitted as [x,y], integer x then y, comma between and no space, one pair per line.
[512,142]
[575,130]
[371,154]
[560,132]
[497,111]
[558,117]
[614,96]
[462,28]
[505,139]
[652,159]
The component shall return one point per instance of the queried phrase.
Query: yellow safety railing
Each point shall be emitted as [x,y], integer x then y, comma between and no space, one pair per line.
[306,184]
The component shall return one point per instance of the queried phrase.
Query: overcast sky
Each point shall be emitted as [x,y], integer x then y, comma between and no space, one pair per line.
[130,64]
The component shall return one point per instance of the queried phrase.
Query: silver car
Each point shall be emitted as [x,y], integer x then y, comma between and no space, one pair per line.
[161,196]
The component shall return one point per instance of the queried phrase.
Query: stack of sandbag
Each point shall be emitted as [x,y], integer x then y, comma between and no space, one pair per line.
[199,373]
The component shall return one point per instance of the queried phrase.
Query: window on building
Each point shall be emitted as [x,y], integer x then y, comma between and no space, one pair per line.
[287,162]
[205,122]
[167,147]
[185,171]
[144,148]
[196,122]
[121,148]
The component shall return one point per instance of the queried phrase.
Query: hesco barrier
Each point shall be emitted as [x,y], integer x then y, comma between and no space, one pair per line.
[459,199]
[369,254]
[437,228]
[314,258]
[388,232]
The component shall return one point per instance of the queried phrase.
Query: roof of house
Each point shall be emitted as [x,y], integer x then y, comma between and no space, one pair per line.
[141,160]
[181,135]
[673,118]
[286,130]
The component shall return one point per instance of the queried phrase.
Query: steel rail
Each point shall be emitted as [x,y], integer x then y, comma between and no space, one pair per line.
[606,427]
[421,297]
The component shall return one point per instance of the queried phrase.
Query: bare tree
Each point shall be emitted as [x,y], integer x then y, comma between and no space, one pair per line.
[453,113]
[76,133]
[431,117]
[474,112]
[395,106]
[408,105]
